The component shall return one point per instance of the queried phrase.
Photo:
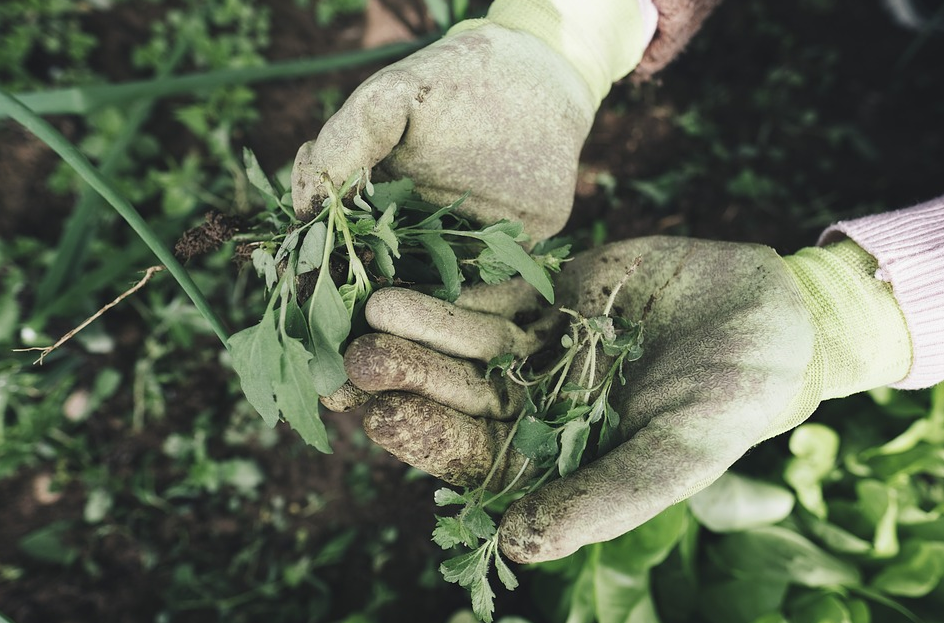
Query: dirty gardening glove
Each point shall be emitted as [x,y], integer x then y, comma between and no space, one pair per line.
[740,345]
[499,107]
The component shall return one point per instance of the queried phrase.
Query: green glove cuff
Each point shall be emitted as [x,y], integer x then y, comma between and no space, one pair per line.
[604,40]
[862,341]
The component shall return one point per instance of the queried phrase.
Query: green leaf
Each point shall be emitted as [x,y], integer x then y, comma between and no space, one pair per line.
[834,537]
[382,258]
[491,269]
[535,439]
[483,599]
[814,447]
[265,267]
[47,544]
[465,569]
[288,245]
[256,354]
[297,398]
[450,531]
[446,496]
[734,503]
[311,253]
[348,293]
[826,608]
[916,572]
[573,442]
[742,600]
[256,175]
[505,574]
[328,315]
[512,229]
[551,258]
[511,253]
[444,259]
[397,192]
[326,366]
[502,363]
[478,522]
[777,553]
[384,231]
[878,502]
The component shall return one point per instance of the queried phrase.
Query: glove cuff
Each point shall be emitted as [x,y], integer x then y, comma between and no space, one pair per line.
[603,40]
[909,247]
[862,340]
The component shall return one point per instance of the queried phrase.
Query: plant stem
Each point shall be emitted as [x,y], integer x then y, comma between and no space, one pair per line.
[58,143]
[82,100]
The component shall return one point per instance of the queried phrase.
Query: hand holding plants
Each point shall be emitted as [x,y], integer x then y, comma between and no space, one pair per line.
[490,111]
[733,352]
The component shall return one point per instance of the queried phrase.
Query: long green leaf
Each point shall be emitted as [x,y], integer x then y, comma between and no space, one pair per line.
[58,143]
[82,100]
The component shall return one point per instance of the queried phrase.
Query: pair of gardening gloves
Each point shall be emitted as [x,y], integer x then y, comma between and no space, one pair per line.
[740,344]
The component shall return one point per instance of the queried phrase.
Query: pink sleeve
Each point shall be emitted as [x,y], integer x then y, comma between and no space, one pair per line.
[909,247]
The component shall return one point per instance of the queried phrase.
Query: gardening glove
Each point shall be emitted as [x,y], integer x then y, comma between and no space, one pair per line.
[500,108]
[740,345]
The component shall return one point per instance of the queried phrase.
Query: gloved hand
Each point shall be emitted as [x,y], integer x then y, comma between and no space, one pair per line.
[500,107]
[740,345]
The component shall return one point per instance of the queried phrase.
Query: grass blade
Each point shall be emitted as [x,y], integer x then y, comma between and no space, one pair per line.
[68,152]
[82,100]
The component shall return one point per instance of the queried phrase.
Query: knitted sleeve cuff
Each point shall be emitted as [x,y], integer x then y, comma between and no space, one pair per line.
[909,247]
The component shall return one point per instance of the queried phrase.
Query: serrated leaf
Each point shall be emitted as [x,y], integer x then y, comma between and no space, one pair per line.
[256,354]
[483,599]
[362,226]
[446,496]
[311,253]
[444,259]
[465,569]
[573,443]
[505,574]
[297,398]
[478,522]
[384,230]
[491,269]
[382,257]
[535,439]
[553,259]
[396,192]
[450,531]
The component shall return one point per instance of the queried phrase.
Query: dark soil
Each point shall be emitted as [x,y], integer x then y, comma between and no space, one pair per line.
[757,71]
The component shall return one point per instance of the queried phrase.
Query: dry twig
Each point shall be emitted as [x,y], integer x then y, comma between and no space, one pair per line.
[68,336]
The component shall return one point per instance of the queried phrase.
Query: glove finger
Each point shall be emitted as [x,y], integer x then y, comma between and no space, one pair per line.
[448,328]
[347,398]
[665,462]
[380,362]
[441,441]
[366,128]
[509,299]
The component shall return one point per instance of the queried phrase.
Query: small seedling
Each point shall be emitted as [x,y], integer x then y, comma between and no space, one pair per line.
[552,431]
[320,273]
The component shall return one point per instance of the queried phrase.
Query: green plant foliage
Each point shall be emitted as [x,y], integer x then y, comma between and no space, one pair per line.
[869,547]
[293,355]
